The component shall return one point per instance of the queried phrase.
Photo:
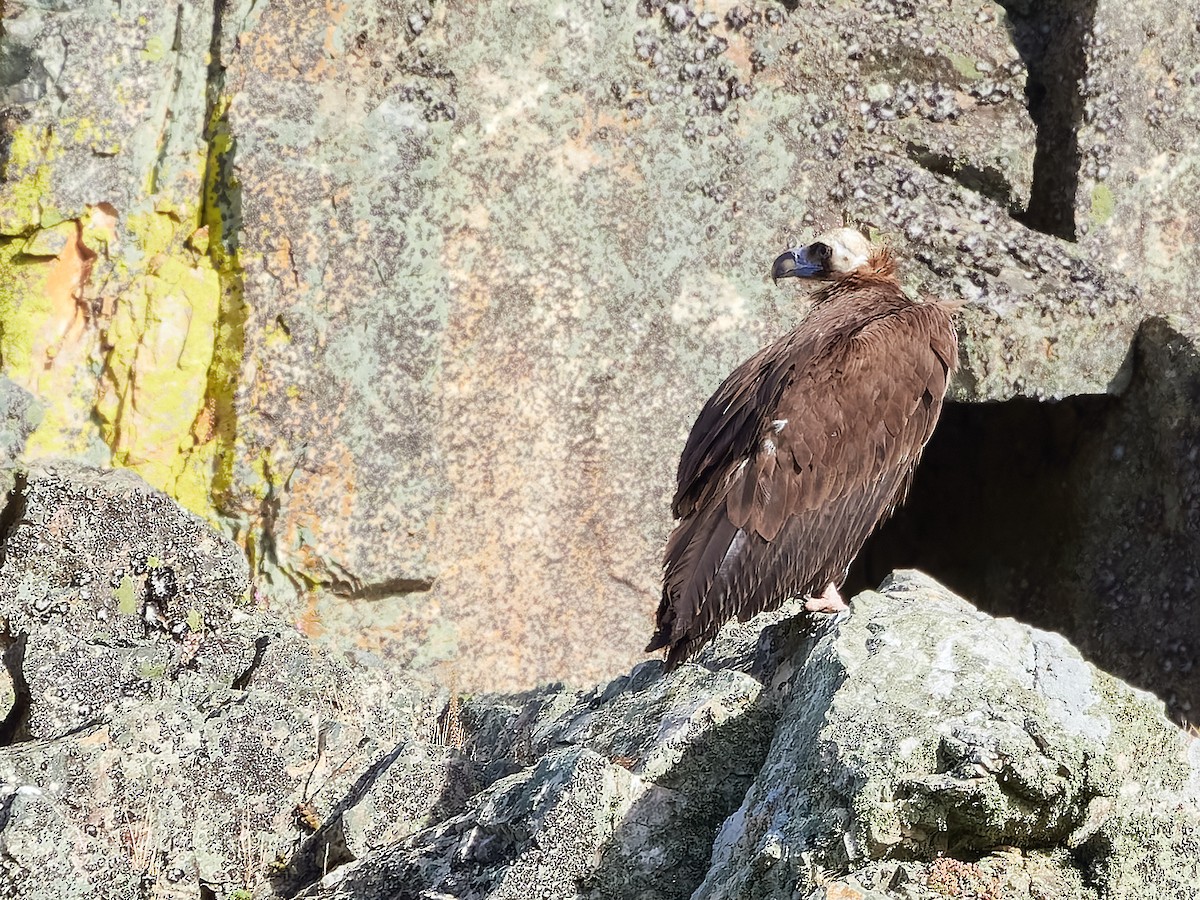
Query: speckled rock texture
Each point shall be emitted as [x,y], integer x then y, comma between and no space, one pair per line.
[418,299]
[18,418]
[1127,594]
[913,749]
[165,736]
[19,415]
[922,728]
[162,735]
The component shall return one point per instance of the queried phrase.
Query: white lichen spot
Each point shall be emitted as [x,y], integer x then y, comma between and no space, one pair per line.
[943,672]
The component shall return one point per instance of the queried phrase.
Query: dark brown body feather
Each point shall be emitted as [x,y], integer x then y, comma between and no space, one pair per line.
[800,453]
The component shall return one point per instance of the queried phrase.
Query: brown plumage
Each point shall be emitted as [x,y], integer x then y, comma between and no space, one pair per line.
[805,447]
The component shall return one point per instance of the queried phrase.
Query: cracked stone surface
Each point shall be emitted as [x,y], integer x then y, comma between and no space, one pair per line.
[908,749]
[419,299]
[922,728]
[161,734]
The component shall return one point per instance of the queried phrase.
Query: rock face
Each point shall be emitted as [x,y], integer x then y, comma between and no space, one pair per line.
[181,741]
[419,299]
[1087,521]
[997,736]
[161,732]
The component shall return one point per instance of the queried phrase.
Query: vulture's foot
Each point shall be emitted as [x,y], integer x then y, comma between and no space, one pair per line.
[830,601]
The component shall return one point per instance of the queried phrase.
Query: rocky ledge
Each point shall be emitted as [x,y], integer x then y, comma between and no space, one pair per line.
[167,737]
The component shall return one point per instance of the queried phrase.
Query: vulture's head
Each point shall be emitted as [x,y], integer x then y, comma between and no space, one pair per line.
[833,255]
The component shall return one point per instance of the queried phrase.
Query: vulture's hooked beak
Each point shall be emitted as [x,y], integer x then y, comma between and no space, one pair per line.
[810,261]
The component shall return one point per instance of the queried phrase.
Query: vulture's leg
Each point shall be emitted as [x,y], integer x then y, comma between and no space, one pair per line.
[830,601]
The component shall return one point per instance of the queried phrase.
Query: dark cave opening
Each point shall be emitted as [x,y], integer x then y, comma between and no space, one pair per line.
[1078,516]
[990,505]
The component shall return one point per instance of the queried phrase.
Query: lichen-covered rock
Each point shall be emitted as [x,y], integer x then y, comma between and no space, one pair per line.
[1138,163]
[533,834]
[111,304]
[697,738]
[163,735]
[19,415]
[913,748]
[925,728]
[420,299]
[503,357]
[415,785]
[174,796]
[109,587]
[1127,590]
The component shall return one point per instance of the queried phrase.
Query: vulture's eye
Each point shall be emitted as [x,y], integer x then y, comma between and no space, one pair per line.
[820,252]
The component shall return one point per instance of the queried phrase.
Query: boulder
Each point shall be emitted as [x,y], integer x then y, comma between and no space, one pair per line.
[163,734]
[914,748]
[925,730]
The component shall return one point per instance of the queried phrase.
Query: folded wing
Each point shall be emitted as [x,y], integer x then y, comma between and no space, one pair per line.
[796,458]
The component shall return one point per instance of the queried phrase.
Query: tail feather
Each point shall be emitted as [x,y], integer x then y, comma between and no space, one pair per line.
[699,569]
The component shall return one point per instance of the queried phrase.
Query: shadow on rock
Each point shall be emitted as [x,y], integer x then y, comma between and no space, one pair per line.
[1087,520]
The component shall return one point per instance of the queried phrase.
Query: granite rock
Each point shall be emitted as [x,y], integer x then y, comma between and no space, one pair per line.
[162,734]
[912,748]
[419,299]
[924,729]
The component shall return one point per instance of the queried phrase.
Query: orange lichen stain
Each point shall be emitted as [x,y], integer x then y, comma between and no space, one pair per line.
[62,336]
[204,429]
[737,54]
[956,878]
[100,737]
[309,622]
[841,891]
[579,154]
[65,281]
[329,47]
[316,520]
[282,263]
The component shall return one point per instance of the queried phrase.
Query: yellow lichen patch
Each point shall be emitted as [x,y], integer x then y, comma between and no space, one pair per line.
[23,204]
[160,343]
[155,49]
[310,622]
[1103,204]
[152,320]
[47,344]
[213,461]
[23,307]
[50,242]
[100,139]
[126,598]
